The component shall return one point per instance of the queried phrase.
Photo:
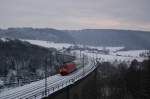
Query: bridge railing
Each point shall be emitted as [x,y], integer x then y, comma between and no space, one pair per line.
[60,85]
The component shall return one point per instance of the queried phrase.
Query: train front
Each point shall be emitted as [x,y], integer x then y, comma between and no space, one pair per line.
[67,68]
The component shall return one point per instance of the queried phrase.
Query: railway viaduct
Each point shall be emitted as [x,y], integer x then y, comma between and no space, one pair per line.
[81,84]
[82,89]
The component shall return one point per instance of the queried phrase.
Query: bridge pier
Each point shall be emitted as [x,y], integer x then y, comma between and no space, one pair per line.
[82,89]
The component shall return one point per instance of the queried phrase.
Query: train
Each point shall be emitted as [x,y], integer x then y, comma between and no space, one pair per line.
[67,68]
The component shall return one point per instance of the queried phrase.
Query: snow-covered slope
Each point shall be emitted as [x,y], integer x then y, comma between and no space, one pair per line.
[112,58]
[112,49]
[48,44]
[114,53]
[131,53]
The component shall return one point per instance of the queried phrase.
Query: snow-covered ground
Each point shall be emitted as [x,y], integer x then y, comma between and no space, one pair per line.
[114,53]
[132,53]
[4,39]
[112,49]
[110,58]
[49,44]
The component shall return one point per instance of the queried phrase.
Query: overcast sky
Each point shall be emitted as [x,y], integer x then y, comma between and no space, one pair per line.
[76,14]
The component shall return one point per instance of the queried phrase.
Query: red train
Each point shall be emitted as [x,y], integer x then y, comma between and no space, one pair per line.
[67,68]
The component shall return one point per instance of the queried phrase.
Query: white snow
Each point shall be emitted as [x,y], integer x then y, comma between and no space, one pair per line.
[114,53]
[112,49]
[48,44]
[131,53]
[4,39]
[1,83]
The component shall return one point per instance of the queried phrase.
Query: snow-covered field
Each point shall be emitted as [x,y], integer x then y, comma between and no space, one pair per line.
[49,44]
[112,49]
[58,46]
[114,53]
[111,58]
[132,53]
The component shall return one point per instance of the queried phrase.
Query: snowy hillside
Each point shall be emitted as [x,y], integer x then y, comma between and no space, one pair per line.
[114,53]
[131,53]
[59,46]
[48,44]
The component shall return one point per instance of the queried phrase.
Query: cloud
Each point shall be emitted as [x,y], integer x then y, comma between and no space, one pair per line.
[76,14]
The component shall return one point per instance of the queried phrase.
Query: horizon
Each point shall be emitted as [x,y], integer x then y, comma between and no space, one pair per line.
[74,29]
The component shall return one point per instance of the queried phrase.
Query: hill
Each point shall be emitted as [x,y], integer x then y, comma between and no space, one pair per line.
[36,33]
[96,37]
[108,37]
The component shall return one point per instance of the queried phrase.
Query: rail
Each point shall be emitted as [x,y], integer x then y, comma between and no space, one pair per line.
[38,93]
[61,85]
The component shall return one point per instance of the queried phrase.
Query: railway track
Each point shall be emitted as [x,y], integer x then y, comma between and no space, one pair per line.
[36,90]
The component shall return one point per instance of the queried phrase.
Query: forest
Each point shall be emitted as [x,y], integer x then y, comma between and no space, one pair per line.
[120,81]
[22,62]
